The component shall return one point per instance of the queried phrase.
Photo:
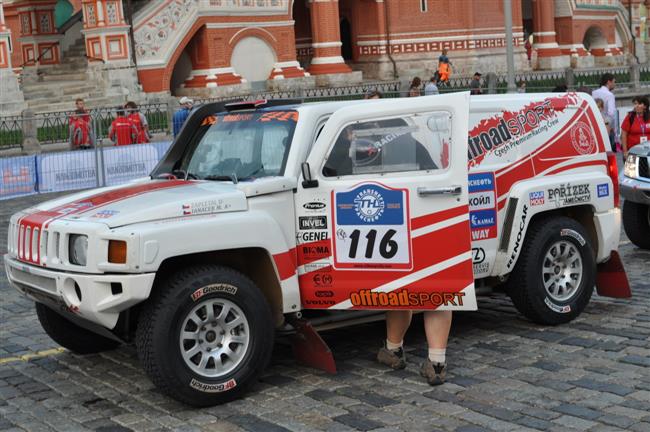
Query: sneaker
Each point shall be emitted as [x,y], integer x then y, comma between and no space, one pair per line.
[393,359]
[434,372]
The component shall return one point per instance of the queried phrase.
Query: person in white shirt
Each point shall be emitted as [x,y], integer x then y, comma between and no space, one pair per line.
[607,84]
[431,88]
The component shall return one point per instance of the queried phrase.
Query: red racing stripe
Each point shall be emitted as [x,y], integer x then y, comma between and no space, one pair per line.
[286,263]
[433,218]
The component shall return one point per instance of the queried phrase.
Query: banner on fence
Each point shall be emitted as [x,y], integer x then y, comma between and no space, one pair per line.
[67,171]
[125,163]
[17,176]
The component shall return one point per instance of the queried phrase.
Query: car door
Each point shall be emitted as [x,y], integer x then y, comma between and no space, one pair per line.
[382,208]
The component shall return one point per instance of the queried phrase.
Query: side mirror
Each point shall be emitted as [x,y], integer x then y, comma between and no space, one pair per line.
[307,181]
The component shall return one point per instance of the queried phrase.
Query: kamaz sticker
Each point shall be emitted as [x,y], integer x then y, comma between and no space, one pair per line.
[536,198]
[370,228]
[483,219]
[603,190]
[557,308]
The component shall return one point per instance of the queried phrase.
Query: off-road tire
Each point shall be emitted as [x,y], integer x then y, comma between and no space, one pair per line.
[71,336]
[162,319]
[636,222]
[525,284]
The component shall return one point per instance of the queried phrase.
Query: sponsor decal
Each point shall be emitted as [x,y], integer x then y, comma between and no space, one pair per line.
[314,205]
[405,298]
[536,198]
[557,308]
[603,190]
[370,228]
[322,280]
[507,130]
[324,293]
[483,219]
[569,194]
[320,302]
[76,208]
[311,236]
[481,268]
[482,205]
[105,214]
[214,288]
[478,255]
[204,207]
[213,388]
[312,222]
[321,267]
[582,138]
[520,235]
[315,252]
[573,234]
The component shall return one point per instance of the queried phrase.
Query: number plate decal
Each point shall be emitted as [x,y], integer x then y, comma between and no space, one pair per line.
[371,228]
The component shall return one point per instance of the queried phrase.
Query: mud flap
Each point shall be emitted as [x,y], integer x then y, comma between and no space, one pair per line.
[310,349]
[611,280]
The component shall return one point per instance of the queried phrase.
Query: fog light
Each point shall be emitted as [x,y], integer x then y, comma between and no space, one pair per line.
[117,251]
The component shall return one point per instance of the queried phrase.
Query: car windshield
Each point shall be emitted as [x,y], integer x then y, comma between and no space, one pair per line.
[240,146]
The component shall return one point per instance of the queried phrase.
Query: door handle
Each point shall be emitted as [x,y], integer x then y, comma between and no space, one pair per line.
[449,190]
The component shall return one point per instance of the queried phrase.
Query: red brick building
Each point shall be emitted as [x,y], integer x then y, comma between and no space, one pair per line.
[218,46]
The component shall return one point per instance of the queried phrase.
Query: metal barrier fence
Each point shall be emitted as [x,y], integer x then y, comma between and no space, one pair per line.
[79,169]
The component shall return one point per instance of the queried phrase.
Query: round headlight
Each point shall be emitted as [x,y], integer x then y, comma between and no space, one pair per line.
[78,249]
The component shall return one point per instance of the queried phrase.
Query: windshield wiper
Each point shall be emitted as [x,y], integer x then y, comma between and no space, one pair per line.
[232,177]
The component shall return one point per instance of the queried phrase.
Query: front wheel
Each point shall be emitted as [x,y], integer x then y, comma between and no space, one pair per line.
[636,222]
[554,277]
[205,335]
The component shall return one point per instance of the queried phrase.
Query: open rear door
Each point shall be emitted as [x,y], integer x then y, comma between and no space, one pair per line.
[385,225]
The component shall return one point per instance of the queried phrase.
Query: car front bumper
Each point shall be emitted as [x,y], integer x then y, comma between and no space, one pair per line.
[98,298]
[635,190]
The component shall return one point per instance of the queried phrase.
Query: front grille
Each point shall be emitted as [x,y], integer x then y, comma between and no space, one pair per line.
[644,170]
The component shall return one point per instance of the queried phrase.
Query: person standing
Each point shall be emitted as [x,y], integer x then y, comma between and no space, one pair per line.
[139,120]
[414,88]
[444,68]
[122,130]
[81,134]
[436,327]
[182,114]
[608,122]
[431,88]
[635,128]
[475,85]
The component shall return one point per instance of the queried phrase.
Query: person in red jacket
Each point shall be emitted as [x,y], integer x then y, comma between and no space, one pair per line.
[139,120]
[635,128]
[81,134]
[122,130]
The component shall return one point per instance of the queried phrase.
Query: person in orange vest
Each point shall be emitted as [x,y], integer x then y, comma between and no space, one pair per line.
[81,134]
[140,122]
[122,130]
[444,68]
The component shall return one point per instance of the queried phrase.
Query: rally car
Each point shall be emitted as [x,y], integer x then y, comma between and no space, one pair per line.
[262,211]
[635,188]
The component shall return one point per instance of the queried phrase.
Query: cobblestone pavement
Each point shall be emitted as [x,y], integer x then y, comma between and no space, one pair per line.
[506,374]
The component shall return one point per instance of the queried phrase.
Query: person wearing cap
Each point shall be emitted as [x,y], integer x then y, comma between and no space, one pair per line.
[475,85]
[182,114]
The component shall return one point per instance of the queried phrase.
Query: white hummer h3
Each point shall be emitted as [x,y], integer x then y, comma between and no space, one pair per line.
[261,211]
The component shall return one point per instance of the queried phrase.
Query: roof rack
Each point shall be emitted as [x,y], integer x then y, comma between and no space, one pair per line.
[260,103]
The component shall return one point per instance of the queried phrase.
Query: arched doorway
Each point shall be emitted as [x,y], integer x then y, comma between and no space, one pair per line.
[346,39]
[182,71]
[594,39]
[253,59]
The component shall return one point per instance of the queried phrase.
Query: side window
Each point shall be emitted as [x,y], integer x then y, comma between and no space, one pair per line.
[410,143]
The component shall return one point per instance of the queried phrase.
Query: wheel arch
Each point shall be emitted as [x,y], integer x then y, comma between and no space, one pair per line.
[254,262]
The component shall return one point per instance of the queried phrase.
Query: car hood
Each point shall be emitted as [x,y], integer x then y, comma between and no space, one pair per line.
[146,201]
[641,149]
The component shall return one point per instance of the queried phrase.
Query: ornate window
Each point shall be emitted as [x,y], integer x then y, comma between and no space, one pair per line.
[45,23]
[111,13]
[25,26]
[90,15]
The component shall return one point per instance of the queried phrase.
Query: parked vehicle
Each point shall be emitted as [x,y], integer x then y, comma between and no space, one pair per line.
[635,188]
[261,211]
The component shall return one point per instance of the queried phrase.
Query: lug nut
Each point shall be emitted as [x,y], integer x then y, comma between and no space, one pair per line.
[208,349]
[222,332]
[203,328]
[219,345]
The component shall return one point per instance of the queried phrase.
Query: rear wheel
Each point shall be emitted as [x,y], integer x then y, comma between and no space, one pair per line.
[636,221]
[71,336]
[205,335]
[554,277]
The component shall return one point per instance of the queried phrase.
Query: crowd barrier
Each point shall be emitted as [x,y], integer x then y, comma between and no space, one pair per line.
[81,169]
